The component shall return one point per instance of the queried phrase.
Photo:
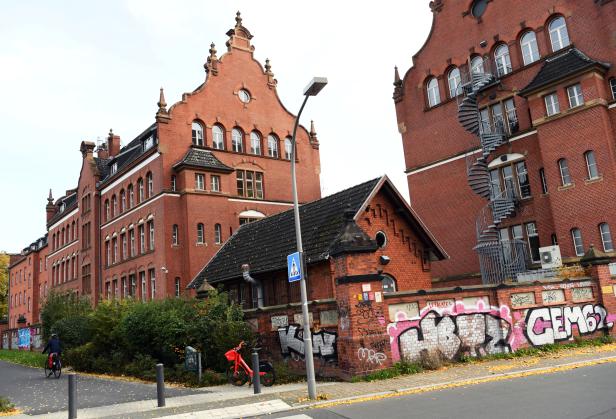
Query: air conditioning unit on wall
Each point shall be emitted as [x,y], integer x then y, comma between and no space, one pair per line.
[550,257]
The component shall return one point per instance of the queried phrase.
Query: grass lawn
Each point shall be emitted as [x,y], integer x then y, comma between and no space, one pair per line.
[30,359]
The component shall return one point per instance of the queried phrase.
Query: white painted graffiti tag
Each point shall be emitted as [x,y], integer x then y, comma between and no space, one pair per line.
[371,356]
[292,343]
[547,325]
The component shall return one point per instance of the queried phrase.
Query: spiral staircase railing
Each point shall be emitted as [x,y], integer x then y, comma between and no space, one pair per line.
[499,259]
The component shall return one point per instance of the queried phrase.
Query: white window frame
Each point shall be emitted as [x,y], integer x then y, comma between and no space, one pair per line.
[175,233]
[454,80]
[613,87]
[152,284]
[502,60]
[151,231]
[288,148]
[177,287]
[552,107]
[530,49]
[255,143]
[236,140]
[197,134]
[217,233]
[218,137]
[565,174]
[272,146]
[477,66]
[200,233]
[575,95]
[199,181]
[150,179]
[144,286]
[591,166]
[578,243]
[559,35]
[215,183]
[434,95]
[606,237]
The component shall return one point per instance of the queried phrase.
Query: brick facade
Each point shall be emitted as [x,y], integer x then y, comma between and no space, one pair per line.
[435,142]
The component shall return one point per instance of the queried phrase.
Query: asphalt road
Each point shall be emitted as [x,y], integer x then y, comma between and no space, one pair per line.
[31,392]
[588,392]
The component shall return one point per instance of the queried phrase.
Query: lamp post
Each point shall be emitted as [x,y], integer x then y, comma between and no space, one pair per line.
[313,88]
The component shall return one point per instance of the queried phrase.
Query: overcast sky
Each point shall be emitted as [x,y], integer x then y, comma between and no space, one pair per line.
[70,70]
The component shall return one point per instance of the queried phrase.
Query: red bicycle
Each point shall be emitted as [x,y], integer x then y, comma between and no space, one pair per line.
[239,372]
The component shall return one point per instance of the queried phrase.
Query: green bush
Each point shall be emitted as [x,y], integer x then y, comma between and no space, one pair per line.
[62,306]
[5,405]
[73,331]
[80,358]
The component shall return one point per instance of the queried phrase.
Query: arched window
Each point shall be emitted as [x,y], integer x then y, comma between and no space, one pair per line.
[613,87]
[217,234]
[175,235]
[606,237]
[565,176]
[150,181]
[73,232]
[140,192]
[197,133]
[477,65]
[255,143]
[131,196]
[122,200]
[503,62]
[578,244]
[389,284]
[218,137]
[559,37]
[434,96]
[530,50]
[200,238]
[288,149]
[236,140]
[591,165]
[453,78]
[272,146]
[177,287]
[107,210]
[114,206]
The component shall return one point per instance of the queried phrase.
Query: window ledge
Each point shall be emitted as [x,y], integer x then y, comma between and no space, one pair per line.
[593,180]
[566,187]
[201,244]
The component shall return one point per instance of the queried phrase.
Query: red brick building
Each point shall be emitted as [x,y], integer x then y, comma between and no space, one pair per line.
[144,218]
[519,100]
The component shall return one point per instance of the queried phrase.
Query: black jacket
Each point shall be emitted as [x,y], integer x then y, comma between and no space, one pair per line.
[53,346]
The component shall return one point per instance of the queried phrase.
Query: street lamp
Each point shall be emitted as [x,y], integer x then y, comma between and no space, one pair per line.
[313,88]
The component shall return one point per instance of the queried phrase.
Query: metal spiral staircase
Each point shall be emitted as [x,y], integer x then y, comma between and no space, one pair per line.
[499,260]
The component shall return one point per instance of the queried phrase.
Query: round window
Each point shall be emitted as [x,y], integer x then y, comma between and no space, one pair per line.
[244,95]
[381,239]
[479,7]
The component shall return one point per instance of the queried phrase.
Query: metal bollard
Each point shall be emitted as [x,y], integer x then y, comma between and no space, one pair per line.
[72,400]
[256,378]
[160,384]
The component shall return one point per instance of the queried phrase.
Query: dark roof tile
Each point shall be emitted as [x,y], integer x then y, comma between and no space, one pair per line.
[203,159]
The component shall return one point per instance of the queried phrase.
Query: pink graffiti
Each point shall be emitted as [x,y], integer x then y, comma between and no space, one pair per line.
[540,326]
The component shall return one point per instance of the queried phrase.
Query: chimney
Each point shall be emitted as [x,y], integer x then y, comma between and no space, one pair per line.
[113,144]
[102,152]
[50,208]
[87,149]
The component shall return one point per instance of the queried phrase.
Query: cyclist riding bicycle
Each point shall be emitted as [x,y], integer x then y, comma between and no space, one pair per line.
[54,347]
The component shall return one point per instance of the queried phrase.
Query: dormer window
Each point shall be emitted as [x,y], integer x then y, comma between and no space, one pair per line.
[148,143]
[114,168]
[62,207]
[478,8]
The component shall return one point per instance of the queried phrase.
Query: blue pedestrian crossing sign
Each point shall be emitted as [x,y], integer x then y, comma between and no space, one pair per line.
[294,267]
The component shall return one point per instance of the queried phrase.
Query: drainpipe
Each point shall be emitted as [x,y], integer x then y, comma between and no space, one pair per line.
[257,283]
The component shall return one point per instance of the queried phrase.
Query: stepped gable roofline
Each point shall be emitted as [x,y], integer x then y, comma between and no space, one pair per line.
[265,244]
[202,159]
[266,71]
[567,64]
[128,154]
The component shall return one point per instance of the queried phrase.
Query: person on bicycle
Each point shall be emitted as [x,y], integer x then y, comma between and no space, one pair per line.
[54,347]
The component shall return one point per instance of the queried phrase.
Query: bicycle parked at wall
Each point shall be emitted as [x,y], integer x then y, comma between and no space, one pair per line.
[239,372]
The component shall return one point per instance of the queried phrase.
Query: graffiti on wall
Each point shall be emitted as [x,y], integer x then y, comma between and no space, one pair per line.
[482,330]
[369,358]
[292,342]
[547,325]
[454,331]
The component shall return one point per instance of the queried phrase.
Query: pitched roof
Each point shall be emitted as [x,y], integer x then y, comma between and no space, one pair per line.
[202,159]
[70,203]
[102,166]
[569,62]
[265,244]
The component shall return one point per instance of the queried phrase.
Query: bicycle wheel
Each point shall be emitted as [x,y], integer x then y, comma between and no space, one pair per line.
[268,375]
[57,372]
[238,378]
[48,371]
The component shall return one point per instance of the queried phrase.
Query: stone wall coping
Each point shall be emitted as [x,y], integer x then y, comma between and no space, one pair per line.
[290,305]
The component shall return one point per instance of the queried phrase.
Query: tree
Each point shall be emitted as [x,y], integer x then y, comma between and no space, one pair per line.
[4,284]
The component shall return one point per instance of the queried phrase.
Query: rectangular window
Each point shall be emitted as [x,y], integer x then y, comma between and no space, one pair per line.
[591,165]
[533,241]
[250,184]
[551,104]
[517,232]
[523,181]
[240,182]
[484,116]
[173,183]
[152,275]
[576,234]
[199,181]
[114,241]
[108,252]
[133,285]
[512,116]
[124,287]
[124,246]
[177,287]
[151,230]
[507,172]
[131,235]
[258,185]
[565,176]
[497,117]
[613,88]
[575,95]
[144,285]
[215,183]
[544,182]
[141,238]
[495,186]
[606,237]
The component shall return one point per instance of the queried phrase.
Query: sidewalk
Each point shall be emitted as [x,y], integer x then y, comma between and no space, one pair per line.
[233,402]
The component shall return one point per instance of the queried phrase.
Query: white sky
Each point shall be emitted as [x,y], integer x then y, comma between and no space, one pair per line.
[70,70]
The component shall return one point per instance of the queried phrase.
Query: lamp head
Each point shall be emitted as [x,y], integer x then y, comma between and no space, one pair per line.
[315,86]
